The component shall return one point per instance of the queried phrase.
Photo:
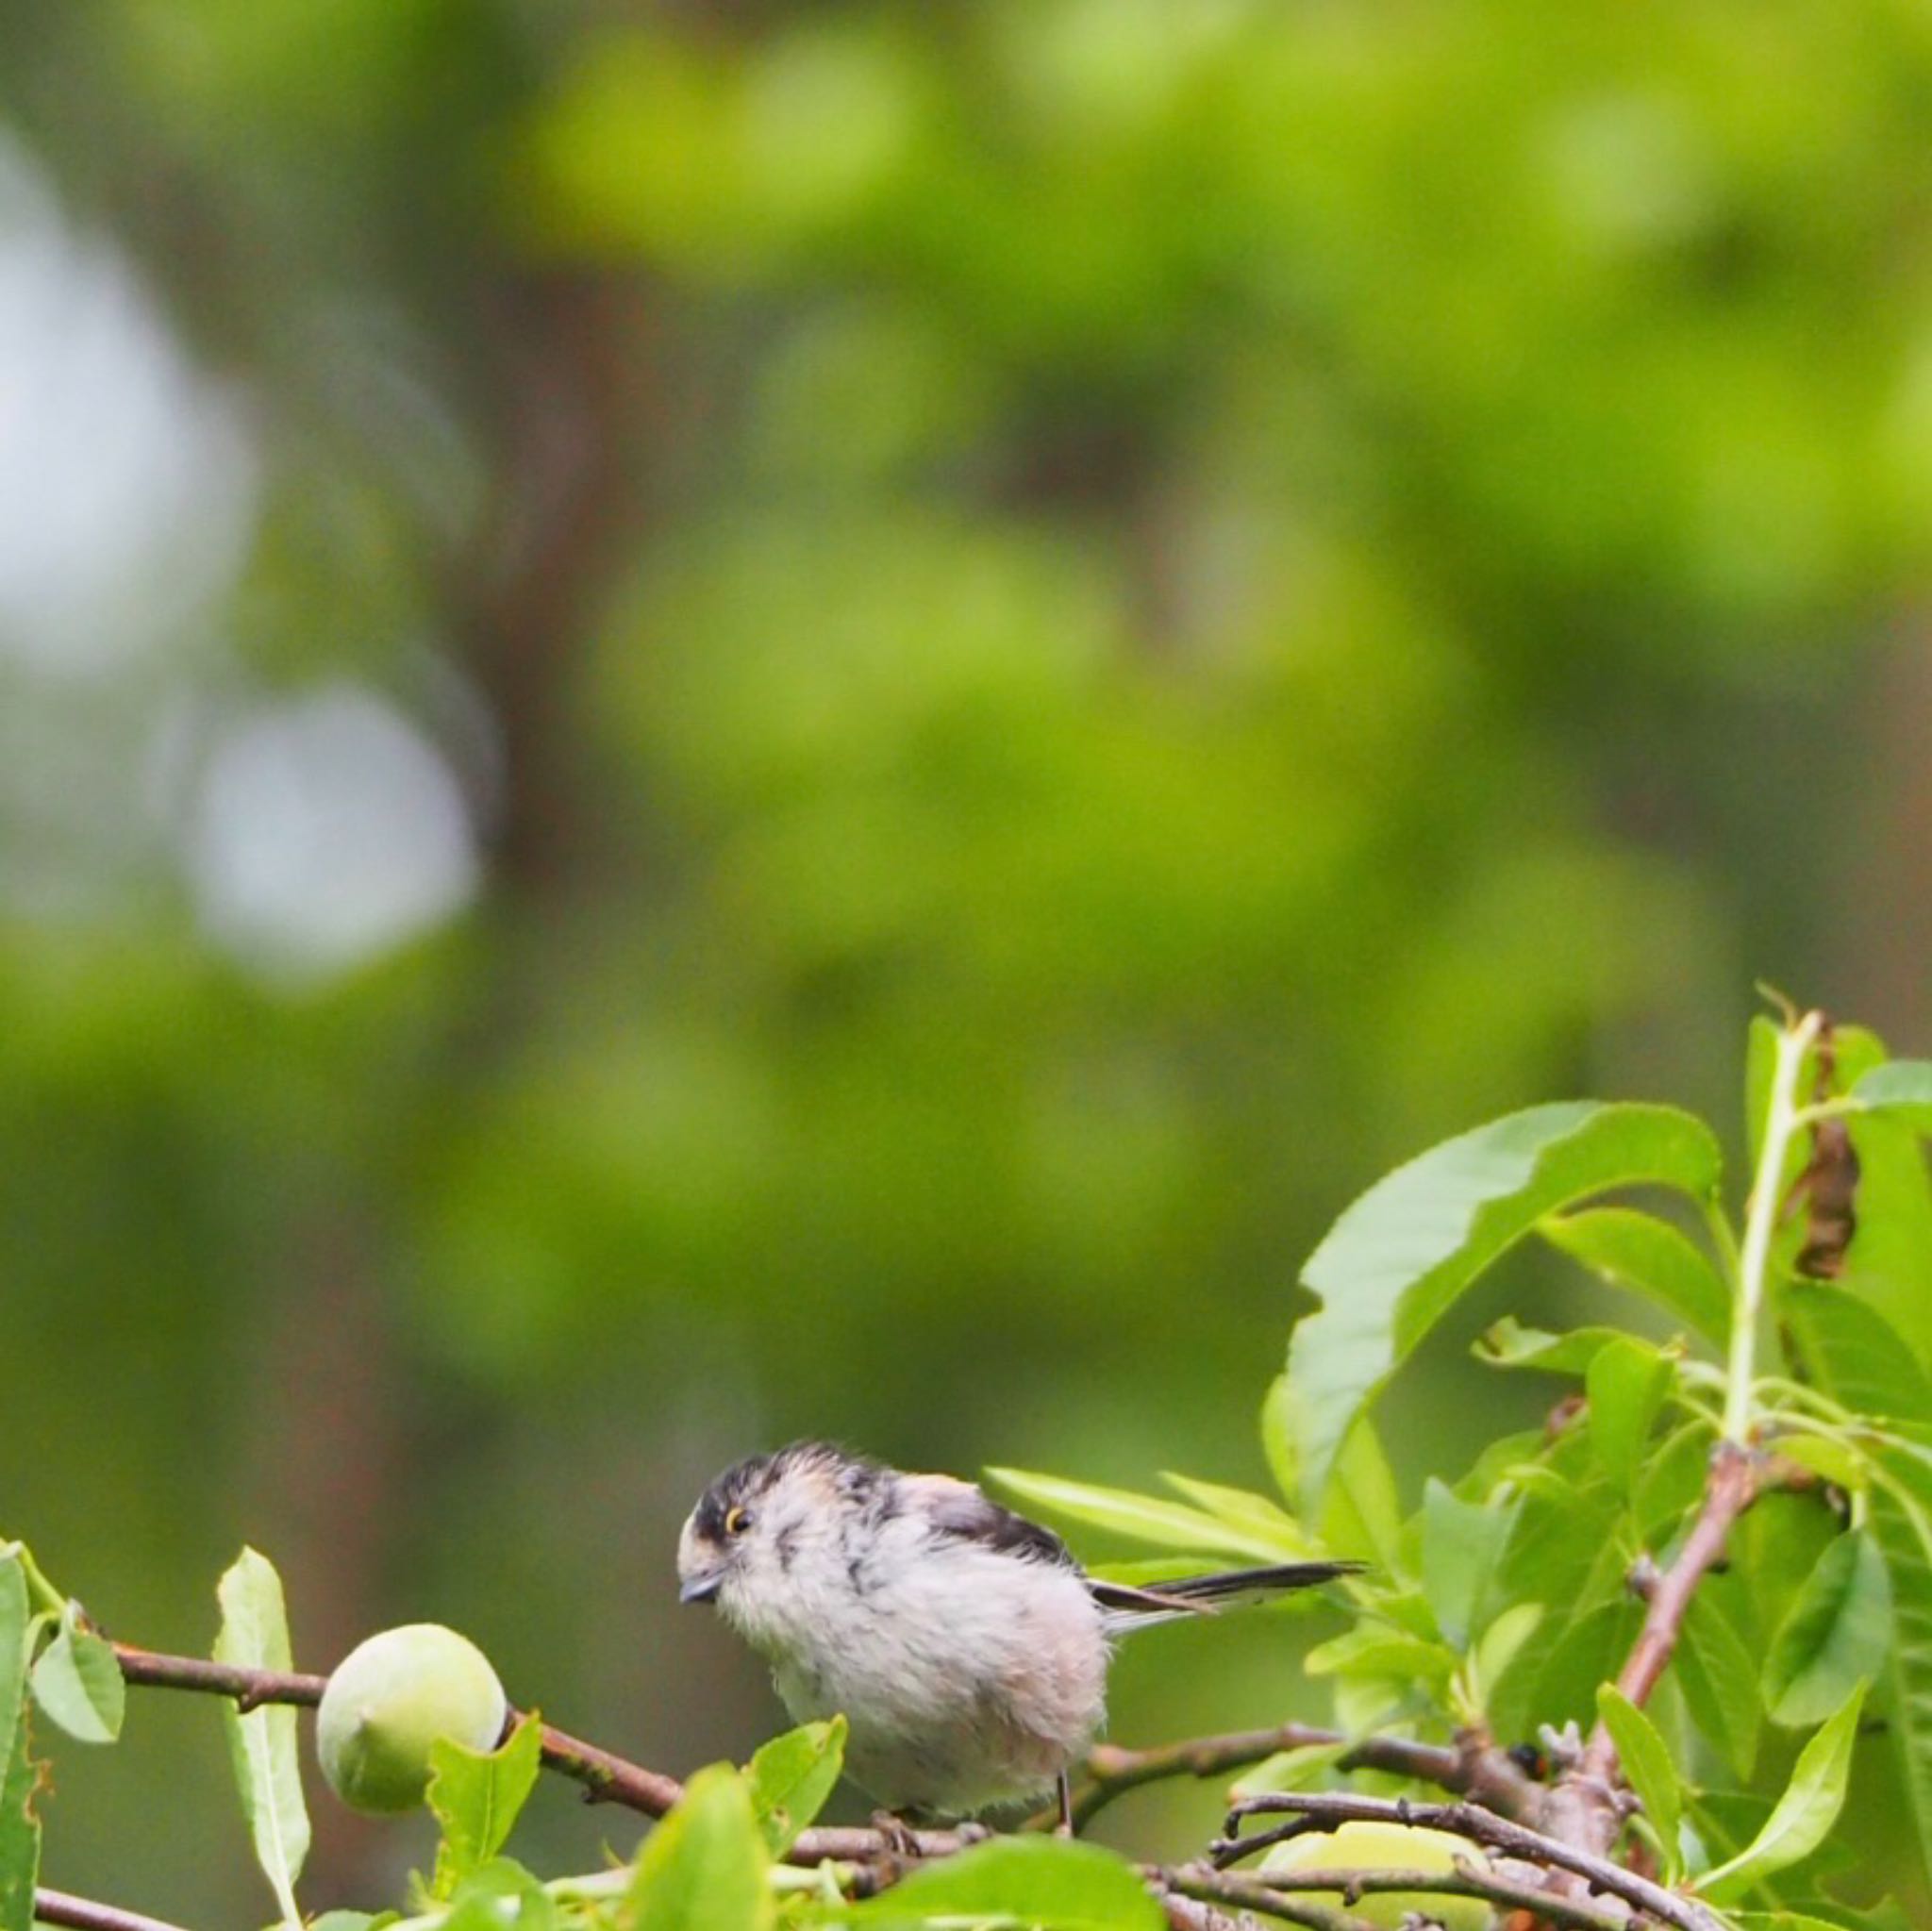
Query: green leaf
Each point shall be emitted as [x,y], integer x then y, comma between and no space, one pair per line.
[1240,1508]
[1561,1537]
[1903,1086]
[1141,1518]
[1361,1515]
[1587,1655]
[1502,1643]
[1857,1359]
[703,1868]
[1398,1259]
[20,1829]
[1806,1812]
[1150,1571]
[1901,1524]
[1856,1353]
[1858,1050]
[476,1795]
[1718,1677]
[1768,1556]
[1671,1481]
[79,1682]
[1277,1437]
[497,1896]
[1462,1543]
[1786,1920]
[1834,1636]
[1890,1256]
[1406,1609]
[1625,1385]
[1827,1458]
[1508,1343]
[1052,1884]
[792,1776]
[1646,1760]
[1568,1553]
[1370,1650]
[254,1632]
[1504,1461]
[1649,1256]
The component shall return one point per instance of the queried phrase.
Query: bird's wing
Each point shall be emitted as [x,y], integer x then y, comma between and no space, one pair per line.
[962,1510]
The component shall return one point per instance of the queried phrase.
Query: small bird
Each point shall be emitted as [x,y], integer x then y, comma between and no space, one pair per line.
[965,1646]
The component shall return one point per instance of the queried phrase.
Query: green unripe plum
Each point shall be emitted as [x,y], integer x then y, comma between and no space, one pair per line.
[389,1699]
[1385,1847]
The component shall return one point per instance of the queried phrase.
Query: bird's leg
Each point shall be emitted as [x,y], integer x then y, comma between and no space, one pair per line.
[901,1846]
[1065,1827]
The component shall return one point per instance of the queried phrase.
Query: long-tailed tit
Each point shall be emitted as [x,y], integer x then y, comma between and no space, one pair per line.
[965,1646]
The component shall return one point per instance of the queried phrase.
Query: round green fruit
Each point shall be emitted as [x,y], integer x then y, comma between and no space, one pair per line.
[389,1699]
[1385,1847]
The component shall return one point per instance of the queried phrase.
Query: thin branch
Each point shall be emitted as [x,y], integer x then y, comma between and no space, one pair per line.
[1224,1888]
[606,1777]
[1281,1887]
[61,1908]
[248,1687]
[858,1844]
[1731,1488]
[1583,1809]
[1112,1772]
[1190,1914]
[1310,1809]
[1196,1897]
[1352,1885]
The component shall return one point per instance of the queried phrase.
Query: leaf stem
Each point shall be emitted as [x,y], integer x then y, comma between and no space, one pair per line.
[38,1586]
[1798,1394]
[1760,1220]
[1717,1225]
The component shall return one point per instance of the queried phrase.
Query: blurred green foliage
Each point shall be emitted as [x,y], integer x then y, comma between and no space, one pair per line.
[1062,628]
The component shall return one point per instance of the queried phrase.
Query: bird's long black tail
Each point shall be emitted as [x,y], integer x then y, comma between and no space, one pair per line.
[1203,1595]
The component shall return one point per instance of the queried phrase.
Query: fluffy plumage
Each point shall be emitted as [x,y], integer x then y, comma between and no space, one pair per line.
[966,1647]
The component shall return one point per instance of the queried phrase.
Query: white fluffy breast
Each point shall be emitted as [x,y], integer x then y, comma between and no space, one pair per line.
[970,1676]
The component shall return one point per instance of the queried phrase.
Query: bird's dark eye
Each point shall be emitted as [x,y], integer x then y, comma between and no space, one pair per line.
[737,1520]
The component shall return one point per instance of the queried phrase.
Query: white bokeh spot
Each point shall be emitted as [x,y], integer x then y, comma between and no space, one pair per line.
[326,830]
[127,477]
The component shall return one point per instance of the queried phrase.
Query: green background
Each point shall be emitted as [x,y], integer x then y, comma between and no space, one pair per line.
[728,719]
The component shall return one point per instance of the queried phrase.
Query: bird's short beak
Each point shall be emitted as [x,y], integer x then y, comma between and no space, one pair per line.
[700,1589]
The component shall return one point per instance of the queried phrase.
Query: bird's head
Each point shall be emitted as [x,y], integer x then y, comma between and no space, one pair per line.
[765,1528]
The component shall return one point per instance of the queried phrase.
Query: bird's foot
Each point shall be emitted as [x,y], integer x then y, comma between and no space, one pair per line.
[895,1835]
